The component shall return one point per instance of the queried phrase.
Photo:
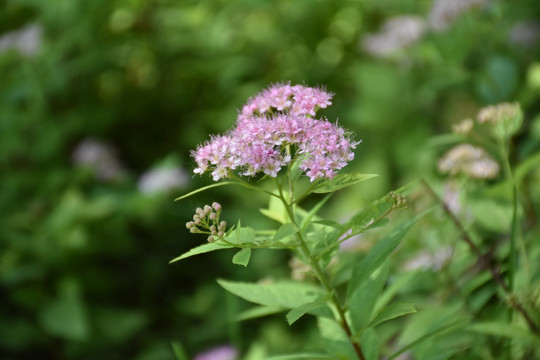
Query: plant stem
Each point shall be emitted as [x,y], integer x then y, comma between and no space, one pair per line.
[486,264]
[321,276]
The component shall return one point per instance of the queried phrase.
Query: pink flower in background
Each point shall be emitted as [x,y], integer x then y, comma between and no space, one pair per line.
[100,158]
[225,352]
[276,118]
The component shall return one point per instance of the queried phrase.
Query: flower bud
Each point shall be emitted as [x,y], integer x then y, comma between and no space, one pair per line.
[189,225]
[220,234]
[196,217]
[199,211]
[212,216]
[193,230]
[210,238]
[216,206]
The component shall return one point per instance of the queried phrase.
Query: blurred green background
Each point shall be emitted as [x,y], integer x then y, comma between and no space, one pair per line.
[94,94]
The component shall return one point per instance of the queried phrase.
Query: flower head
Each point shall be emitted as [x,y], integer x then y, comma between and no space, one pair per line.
[506,118]
[469,160]
[271,125]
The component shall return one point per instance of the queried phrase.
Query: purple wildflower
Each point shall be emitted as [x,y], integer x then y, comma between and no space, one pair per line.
[277,117]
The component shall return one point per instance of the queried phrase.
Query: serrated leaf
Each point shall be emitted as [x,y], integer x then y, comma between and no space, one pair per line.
[285,294]
[204,188]
[285,230]
[393,311]
[341,181]
[241,235]
[379,253]
[335,339]
[242,257]
[329,223]
[448,328]
[201,249]
[363,299]
[258,311]
[300,311]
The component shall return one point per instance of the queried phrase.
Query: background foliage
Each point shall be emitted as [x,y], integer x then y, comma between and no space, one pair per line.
[83,260]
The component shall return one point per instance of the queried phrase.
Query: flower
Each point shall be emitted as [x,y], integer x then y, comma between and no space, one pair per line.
[397,33]
[267,127]
[444,12]
[26,41]
[506,118]
[463,127]
[100,158]
[162,179]
[525,34]
[469,160]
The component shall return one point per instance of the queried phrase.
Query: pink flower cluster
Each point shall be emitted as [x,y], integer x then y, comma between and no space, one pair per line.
[279,117]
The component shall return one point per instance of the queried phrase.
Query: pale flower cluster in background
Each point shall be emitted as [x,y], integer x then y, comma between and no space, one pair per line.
[100,158]
[396,34]
[525,34]
[426,260]
[463,127]
[26,41]
[469,160]
[444,12]
[163,180]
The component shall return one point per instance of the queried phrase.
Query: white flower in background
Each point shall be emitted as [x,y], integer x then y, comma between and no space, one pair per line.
[525,34]
[99,157]
[27,40]
[444,12]
[396,34]
[162,180]
[469,160]
[430,261]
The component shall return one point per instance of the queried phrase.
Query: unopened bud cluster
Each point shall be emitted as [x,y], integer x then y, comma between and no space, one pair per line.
[206,221]
[397,200]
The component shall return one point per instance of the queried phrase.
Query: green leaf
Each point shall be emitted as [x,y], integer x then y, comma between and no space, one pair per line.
[300,311]
[363,299]
[179,351]
[379,253]
[451,327]
[336,340]
[242,257]
[66,316]
[258,311]
[370,344]
[341,181]
[526,166]
[201,249]
[284,231]
[314,211]
[204,188]
[393,311]
[329,223]
[505,330]
[241,235]
[285,294]
[311,356]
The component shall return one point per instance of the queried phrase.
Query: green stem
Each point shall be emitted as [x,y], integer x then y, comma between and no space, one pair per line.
[513,229]
[321,276]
